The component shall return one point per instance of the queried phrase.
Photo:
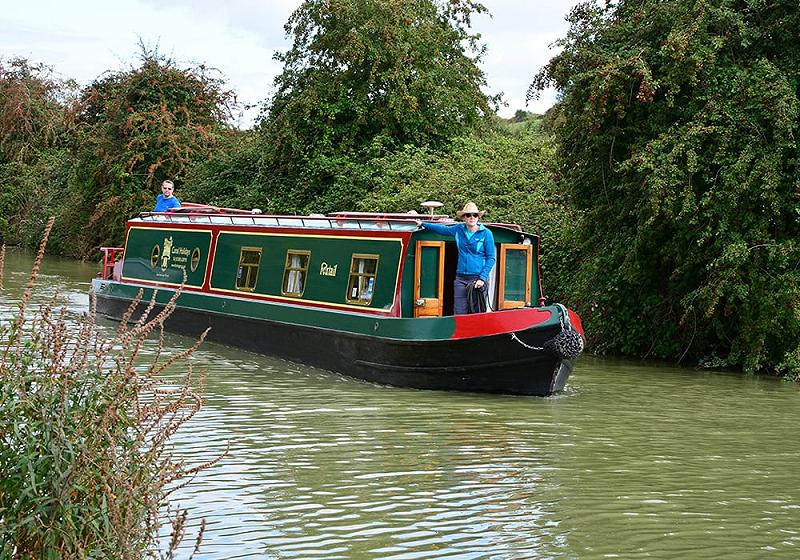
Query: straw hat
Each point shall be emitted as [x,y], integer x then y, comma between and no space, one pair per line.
[470,208]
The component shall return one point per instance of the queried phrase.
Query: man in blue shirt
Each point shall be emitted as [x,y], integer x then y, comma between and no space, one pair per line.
[476,253]
[166,201]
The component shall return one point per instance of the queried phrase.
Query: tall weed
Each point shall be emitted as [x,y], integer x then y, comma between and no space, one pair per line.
[85,421]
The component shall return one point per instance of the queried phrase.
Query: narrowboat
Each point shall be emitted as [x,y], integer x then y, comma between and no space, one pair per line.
[364,294]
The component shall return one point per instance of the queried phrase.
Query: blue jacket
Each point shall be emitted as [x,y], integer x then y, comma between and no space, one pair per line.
[476,253]
[164,204]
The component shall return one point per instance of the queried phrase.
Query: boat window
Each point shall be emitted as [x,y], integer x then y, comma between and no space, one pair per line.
[295,273]
[363,269]
[194,262]
[249,261]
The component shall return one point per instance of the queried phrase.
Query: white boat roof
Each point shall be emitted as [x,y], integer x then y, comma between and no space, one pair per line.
[211,215]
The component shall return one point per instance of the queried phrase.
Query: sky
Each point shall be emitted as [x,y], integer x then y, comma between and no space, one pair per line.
[82,39]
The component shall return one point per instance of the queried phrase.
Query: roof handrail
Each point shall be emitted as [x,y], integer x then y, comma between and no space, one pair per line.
[360,220]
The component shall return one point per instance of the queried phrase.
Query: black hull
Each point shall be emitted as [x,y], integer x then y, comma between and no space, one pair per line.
[492,364]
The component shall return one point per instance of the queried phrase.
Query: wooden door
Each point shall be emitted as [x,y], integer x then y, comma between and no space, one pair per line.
[515,275]
[428,278]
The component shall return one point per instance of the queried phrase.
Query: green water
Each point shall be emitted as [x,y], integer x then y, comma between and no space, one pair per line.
[632,461]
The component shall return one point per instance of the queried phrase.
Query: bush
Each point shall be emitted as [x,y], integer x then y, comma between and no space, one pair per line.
[510,175]
[84,426]
[677,133]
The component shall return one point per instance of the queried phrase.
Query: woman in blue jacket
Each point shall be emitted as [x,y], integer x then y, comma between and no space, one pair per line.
[476,253]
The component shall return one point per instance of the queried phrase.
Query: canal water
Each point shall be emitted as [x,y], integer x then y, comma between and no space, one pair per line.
[633,460]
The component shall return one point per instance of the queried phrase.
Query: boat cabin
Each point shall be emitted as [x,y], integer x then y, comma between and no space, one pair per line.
[366,263]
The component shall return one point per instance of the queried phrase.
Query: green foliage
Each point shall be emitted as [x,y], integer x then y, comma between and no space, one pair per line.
[507,175]
[31,193]
[149,123]
[34,135]
[232,176]
[678,140]
[84,428]
[363,79]
[512,176]
[136,128]
[32,112]
[521,122]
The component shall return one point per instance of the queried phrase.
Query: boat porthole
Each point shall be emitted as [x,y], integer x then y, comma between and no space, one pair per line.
[375,328]
[154,254]
[195,260]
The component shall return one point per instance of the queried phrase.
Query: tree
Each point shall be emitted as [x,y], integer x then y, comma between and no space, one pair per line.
[136,128]
[146,124]
[678,141]
[32,109]
[364,78]
[34,134]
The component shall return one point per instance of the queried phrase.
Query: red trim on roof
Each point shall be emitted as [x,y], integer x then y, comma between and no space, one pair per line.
[285,230]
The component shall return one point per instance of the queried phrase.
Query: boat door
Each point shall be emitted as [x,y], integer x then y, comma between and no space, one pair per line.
[515,275]
[429,279]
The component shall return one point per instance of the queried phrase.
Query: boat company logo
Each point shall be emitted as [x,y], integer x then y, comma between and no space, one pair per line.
[327,270]
[169,255]
[166,253]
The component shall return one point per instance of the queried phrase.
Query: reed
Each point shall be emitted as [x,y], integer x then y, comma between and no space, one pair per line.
[86,468]
[2,263]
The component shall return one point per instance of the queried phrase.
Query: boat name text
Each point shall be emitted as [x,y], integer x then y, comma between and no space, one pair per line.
[327,270]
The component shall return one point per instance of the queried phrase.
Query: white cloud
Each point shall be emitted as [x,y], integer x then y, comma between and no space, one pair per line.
[84,38]
[519,36]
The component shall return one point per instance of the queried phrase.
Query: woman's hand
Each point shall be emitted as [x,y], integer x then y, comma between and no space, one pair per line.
[479,283]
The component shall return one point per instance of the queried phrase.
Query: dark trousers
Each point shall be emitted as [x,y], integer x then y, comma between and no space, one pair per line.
[460,303]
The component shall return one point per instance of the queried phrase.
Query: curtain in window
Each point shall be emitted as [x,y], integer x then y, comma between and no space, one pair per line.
[295,281]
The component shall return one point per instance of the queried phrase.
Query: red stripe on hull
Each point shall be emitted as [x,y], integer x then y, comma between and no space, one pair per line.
[485,324]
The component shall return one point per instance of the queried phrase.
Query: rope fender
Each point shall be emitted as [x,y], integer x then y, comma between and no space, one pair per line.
[567,344]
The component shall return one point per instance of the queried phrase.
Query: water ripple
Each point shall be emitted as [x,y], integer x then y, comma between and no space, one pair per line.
[324,467]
